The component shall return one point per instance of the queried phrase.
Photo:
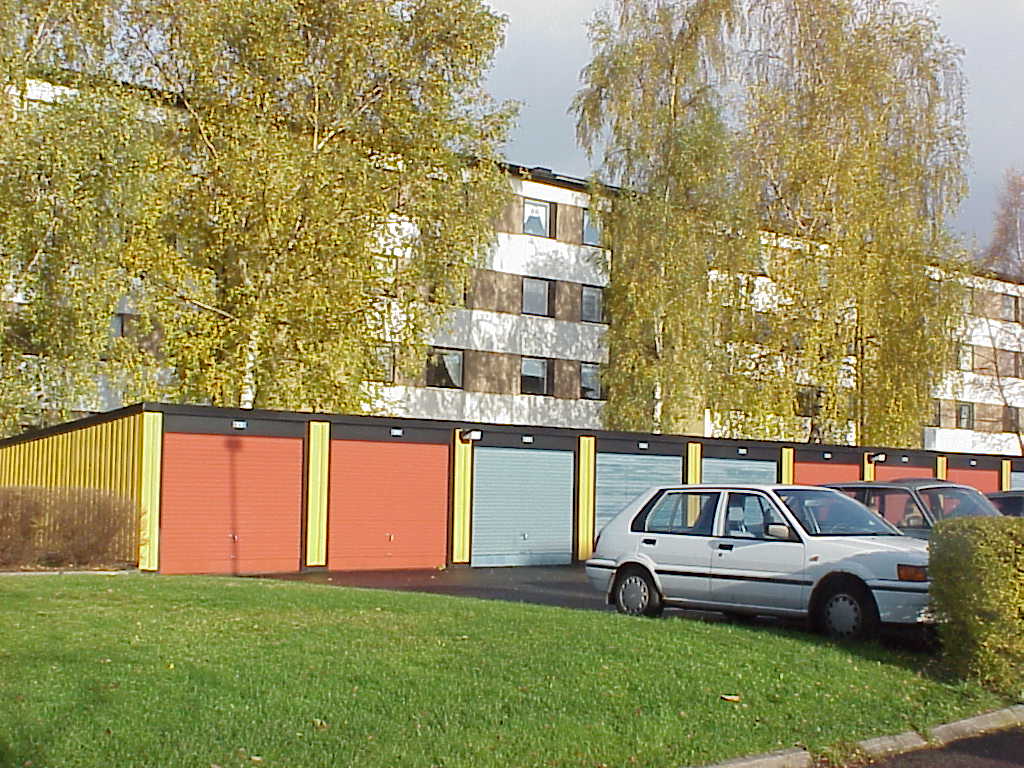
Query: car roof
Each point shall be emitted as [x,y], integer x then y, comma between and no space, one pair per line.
[738,486]
[903,482]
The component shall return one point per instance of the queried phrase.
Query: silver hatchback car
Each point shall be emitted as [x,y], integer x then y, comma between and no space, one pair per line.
[796,551]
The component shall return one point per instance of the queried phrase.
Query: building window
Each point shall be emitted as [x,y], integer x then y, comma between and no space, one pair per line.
[590,381]
[592,304]
[965,357]
[1011,418]
[591,228]
[382,365]
[444,368]
[536,218]
[537,296]
[965,415]
[535,378]
[1010,308]
[935,419]
[119,325]
[808,401]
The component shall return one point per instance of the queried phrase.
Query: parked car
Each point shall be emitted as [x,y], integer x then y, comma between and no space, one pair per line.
[1008,502]
[915,505]
[780,550]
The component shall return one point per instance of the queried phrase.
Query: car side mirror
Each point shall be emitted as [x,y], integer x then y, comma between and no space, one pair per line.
[780,531]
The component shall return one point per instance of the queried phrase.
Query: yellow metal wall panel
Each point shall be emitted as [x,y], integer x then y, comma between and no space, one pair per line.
[586,495]
[98,457]
[1006,475]
[941,467]
[462,498]
[694,457]
[149,466]
[317,481]
[786,466]
[869,468]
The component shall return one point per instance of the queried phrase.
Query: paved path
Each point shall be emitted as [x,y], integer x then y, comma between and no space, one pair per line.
[1003,749]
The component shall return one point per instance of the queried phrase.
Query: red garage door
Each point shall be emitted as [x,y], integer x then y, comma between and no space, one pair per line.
[897,471]
[230,504]
[388,505]
[985,480]
[821,472]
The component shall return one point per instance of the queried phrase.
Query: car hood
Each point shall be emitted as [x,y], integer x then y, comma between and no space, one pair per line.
[851,546]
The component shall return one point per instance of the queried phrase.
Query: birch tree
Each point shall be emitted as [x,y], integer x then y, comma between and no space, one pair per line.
[844,124]
[319,165]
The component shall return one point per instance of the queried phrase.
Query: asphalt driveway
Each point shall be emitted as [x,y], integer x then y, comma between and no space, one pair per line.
[561,585]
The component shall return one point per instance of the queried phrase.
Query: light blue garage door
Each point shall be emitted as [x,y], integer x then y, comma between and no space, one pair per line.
[739,471]
[522,507]
[621,477]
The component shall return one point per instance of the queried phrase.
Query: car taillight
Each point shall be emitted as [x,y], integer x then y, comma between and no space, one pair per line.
[912,572]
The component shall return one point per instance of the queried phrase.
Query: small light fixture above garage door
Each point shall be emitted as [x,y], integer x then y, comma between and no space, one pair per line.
[527,439]
[397,431]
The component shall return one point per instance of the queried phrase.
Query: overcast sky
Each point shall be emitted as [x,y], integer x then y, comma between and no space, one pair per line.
[546,47]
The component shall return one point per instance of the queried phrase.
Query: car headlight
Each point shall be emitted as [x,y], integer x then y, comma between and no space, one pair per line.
[912,572]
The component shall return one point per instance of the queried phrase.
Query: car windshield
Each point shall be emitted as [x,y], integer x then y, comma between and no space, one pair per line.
[824,512]
[945,502]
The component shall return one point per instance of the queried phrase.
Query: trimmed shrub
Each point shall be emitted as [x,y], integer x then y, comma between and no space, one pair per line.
[977,572]
[66,526]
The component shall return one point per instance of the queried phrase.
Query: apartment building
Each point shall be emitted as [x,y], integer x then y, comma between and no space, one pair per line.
[527,345]
[979,406]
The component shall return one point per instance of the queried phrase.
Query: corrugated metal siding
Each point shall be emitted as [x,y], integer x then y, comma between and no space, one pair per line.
[105,457]
[818,472]
[231,504]
[522,507]
[623,476]
[716,470]
[388,505]
[985,480]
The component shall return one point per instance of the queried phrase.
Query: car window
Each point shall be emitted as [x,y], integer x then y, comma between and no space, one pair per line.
[854,493]
[683,512]
[748,515]
[824,512]
[897,506]
[1008,505]
[948,502]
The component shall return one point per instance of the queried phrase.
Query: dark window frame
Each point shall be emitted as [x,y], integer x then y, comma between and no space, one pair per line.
[549,286]
[964,415]
[435,365]
[549,376]
[550,224]
[599,392]
[600,293]
[587,218]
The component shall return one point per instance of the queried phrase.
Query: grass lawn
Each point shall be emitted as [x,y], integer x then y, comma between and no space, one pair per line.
[137,670]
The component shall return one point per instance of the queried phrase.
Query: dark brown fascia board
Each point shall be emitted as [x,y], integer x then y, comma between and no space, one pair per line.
[919,457]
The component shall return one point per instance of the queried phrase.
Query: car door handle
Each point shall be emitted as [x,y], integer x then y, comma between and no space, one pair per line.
[725,546]
[650,542]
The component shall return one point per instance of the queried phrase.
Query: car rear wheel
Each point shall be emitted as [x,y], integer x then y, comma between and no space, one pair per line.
[847,611]
[636,594]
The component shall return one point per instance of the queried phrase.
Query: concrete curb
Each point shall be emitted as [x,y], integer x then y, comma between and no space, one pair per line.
[887,746]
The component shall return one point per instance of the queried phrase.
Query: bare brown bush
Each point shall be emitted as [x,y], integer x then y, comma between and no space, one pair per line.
[66,527]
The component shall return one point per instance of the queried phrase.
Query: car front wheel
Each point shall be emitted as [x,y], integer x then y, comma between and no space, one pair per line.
[847,612]
[636,594]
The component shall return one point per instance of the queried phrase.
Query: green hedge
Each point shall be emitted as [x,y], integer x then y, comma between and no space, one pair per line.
[977,572]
